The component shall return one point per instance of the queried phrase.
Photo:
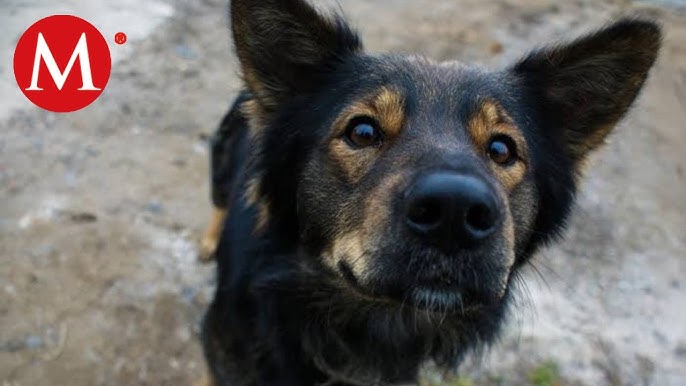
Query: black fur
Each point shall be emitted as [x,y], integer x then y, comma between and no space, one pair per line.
[283,316]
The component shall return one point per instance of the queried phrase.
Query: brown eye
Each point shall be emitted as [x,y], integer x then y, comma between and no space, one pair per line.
[502,150]
[362,133]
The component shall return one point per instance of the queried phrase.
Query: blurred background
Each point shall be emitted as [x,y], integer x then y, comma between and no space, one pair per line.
[100,210]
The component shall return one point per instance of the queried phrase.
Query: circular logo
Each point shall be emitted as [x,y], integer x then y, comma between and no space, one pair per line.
[62,63]
[120,38]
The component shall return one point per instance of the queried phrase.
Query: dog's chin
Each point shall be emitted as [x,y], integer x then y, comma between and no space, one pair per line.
[452,299]
[439,299]
[425,297]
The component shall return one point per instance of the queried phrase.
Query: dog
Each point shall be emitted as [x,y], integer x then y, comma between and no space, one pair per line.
[372,211]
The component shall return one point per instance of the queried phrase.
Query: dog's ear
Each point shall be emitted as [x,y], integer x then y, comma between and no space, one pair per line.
[585,87]
[283,44]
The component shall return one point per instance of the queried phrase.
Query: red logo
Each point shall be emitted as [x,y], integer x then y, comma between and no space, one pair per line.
[120,38]
[62,63]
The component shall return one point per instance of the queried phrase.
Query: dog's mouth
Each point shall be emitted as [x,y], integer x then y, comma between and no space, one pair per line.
[429,295]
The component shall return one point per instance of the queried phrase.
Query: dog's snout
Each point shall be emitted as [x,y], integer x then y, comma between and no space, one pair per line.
[451,209]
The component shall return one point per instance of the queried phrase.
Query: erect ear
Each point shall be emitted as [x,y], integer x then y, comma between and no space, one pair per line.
[281,44]
[585,87]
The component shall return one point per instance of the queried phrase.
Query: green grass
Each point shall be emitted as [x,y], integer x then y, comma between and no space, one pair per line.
[545,374]
[453,382]
[460,382]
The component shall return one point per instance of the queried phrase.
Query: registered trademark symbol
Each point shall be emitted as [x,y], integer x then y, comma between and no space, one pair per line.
[120,38]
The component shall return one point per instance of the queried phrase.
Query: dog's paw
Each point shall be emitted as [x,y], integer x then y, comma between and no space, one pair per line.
[206,249]
[210,239]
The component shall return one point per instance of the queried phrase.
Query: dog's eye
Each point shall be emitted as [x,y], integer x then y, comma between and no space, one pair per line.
[502,150]
[363,132]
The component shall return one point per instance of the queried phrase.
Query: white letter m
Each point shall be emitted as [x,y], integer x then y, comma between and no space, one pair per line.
[80,51]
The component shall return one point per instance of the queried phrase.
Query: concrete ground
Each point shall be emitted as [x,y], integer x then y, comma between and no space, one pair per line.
[100,210]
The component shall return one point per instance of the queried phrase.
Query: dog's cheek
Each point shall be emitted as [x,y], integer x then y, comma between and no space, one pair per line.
[367,221]
[378,205]
[524,208]
[503,249]
[352,164]
[349,249]
[320,195]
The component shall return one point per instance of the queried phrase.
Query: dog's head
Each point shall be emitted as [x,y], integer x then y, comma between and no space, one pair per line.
[415,181]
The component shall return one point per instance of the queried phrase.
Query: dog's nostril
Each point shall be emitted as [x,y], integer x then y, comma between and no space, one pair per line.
[425,212]
[480,218]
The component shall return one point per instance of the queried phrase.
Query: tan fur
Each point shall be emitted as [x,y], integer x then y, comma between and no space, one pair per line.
[387,107]
[492,120]
[377,205]
[254,198]
[255,114]
[509,237]
[354,163]
[210,238]
[357,246]
[349,247]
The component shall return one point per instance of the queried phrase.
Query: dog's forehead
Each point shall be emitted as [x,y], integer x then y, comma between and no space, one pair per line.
[438,98]
[433,88]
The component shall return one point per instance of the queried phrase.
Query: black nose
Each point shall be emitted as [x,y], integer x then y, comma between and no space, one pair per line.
[452,209]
